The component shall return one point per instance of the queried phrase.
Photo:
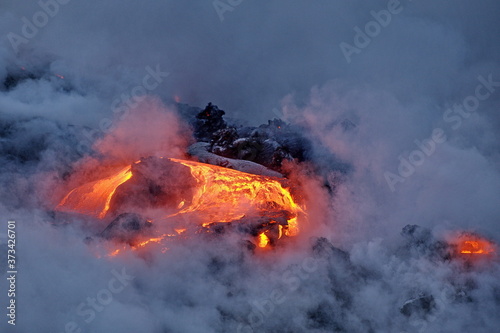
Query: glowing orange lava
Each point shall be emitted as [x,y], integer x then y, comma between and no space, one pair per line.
[263,240]
[225,195]
[94,198]
[220,195]
[475,245]
[153,240]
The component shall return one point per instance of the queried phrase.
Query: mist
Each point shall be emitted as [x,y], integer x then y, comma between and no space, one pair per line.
[399,100]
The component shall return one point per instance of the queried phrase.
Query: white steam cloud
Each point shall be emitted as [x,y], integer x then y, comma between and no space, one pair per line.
[404,93]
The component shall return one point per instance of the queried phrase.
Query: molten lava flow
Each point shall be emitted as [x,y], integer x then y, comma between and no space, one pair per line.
[218,195]
[263,240]
[94,198]
[153,240]
[475,245]
[225,195]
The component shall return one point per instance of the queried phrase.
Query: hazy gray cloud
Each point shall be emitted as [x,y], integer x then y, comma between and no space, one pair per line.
[368,113]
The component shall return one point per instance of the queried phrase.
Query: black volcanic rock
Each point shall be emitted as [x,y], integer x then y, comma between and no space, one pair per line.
[323,248]
[421,305]
[156,182]
[421,242]
[269,145]
[126,227]
[208,121]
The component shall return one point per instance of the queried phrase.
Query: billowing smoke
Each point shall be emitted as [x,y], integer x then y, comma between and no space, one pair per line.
[393,106]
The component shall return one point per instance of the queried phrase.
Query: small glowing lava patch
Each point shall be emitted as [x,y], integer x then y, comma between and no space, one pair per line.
[473,244]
